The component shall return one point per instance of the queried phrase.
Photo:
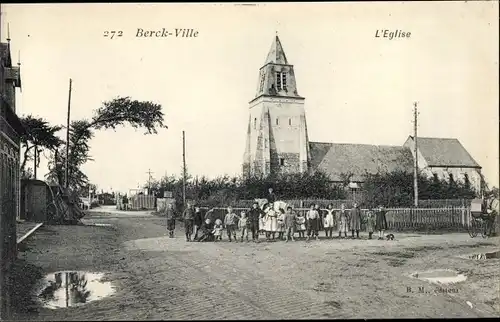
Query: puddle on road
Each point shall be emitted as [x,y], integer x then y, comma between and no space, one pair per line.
[483,256]
[67,289]
[440,276]
[101,225]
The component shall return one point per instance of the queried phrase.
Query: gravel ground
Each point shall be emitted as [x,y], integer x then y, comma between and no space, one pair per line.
[161,278]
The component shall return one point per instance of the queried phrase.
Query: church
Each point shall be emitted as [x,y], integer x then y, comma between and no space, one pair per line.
[277,139]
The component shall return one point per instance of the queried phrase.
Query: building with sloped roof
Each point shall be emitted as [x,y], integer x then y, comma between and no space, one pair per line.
[11,131]
[277,139]
[446,158]
[355,160]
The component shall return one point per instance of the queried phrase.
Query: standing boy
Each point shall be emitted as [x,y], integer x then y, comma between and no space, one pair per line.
[271,196]
[289,223]
[243,225]
[170,220]
[313,222]
[343,221]
[355,220]
[188,216]
[230,223]
[253,220]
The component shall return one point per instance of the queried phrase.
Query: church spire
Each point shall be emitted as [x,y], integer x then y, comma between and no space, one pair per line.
[276,77]
[276,53]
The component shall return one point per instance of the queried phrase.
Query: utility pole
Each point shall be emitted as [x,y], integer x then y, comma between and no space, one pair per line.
[66,170]
[415,170]
[149,180]
[90,196]
[183,169]
[34,163]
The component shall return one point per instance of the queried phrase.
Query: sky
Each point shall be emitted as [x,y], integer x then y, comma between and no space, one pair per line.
[358,88]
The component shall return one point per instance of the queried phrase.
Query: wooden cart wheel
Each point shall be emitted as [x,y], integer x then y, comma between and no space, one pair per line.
[473,228]
[487,228]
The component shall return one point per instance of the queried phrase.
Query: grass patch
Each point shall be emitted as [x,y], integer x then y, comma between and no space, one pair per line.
[22,278]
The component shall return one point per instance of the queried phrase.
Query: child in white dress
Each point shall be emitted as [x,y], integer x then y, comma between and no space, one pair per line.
[300,224]
[328,222]
[218,230]
[281,224]
[262,222]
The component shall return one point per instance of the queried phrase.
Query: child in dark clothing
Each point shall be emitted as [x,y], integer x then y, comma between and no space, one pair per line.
[170,220]
[206,231]
[289,222]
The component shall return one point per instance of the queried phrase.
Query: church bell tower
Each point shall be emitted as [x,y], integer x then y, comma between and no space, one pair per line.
[277,140]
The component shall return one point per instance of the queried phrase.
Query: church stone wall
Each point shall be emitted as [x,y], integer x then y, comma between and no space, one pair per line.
[291,163]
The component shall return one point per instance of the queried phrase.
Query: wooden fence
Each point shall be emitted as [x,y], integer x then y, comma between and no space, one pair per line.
[304,203]
[138,202]
[400,219]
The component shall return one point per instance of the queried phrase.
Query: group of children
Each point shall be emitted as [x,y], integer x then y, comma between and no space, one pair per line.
[275,221]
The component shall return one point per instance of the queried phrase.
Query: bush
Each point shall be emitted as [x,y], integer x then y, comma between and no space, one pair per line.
[226,190]
[395,189]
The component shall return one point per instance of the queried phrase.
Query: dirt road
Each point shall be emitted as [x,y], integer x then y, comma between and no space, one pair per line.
[161,278]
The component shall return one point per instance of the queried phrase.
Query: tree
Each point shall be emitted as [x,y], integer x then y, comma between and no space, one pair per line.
[120,111]
[224,190]
[395,189]
[40,135]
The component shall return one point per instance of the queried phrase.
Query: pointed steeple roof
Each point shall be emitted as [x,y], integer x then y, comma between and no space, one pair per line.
[276,76]
[276,53]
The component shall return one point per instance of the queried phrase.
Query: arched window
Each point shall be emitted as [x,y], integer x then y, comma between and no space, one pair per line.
[277,121]
[255,123]
[289,121]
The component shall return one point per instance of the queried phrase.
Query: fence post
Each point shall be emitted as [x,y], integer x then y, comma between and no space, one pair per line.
[463,215]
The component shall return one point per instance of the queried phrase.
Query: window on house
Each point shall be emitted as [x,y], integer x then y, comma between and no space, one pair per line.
[255,123]
[289,121]
[277,121]
[283,80]
[282,162]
